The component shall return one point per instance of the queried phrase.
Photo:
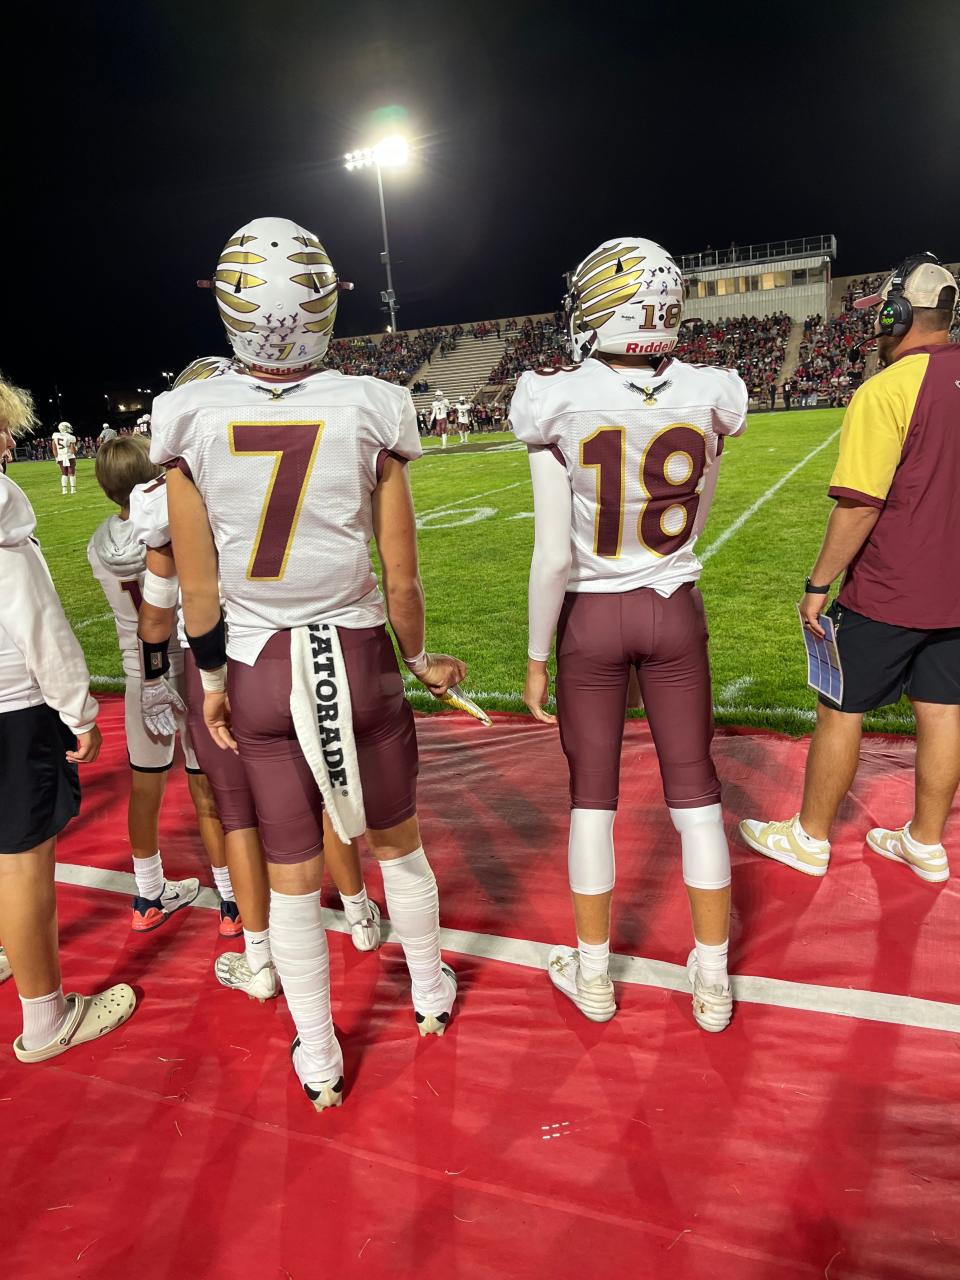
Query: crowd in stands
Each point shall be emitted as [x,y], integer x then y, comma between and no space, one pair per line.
[754,347]
[831,363]
[861,289]
[395,357]
[536,344]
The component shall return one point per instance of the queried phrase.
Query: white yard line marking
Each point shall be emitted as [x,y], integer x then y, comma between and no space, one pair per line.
[764,498]
[846,1002]
[89,622]
[439,511]
[732,691]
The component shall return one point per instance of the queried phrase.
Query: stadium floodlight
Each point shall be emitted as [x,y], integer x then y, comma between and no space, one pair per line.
[391,152]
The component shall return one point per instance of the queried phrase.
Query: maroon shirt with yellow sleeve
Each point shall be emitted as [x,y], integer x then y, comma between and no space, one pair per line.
[900,451]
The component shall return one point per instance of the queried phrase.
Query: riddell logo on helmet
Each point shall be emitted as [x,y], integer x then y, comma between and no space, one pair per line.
[646,348]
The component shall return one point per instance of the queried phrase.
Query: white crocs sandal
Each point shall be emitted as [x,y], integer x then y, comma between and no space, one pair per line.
[88,1018]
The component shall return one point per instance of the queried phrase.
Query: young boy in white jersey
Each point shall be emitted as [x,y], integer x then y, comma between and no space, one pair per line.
[463,410]
[624,451]
[63,447]
[118,562]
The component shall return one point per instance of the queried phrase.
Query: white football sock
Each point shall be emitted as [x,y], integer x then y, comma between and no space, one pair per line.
[149,874]
[63,484]
[221,878]
[43,1017]
[443,442]
[258,951]
[356,906]
[915,846]
[712,963]
[299,944]
[410,889]
[594,959]
[73,484]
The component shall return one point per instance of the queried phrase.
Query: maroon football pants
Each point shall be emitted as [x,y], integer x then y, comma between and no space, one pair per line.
[599,638]
[288,800]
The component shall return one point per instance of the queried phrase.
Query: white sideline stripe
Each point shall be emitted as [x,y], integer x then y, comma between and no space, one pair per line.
[439,511]
[845,1002]
[764,498]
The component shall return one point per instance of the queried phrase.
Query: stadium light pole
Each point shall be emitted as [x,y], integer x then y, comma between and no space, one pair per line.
[391,152]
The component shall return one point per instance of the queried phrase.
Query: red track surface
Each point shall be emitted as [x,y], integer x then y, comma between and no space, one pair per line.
[527,1142]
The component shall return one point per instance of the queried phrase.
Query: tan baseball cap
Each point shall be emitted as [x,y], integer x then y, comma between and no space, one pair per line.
[921,288]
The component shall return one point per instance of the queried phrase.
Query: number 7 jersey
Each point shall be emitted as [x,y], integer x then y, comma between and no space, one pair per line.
[641,449]
[287,473]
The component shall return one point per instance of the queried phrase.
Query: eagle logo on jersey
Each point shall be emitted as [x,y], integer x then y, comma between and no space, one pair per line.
[649,393]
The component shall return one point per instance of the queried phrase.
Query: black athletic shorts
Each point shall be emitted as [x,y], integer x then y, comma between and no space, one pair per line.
[881,662]
[39,788]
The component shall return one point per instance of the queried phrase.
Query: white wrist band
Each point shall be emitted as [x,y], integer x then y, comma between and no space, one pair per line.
[419,664]
[214,681]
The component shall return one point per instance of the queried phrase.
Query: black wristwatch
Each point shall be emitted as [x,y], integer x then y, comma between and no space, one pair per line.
[813,590]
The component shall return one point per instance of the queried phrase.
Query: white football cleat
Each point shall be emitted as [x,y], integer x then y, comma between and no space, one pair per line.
[928,861]
[324,1093]
[595,999]
[233,970]
[435,1024]
[366,933]
[712,1006]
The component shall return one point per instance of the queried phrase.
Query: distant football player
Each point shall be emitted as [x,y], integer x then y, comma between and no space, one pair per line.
[63,447]
[624,450]
[463,409]
[281,475]
[439,415]
[118,563]
[106,433]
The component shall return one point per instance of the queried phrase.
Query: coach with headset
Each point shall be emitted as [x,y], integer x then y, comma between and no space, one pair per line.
[895,534]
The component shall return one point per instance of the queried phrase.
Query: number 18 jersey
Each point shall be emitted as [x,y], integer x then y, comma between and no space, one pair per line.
[641,450]
[287,473]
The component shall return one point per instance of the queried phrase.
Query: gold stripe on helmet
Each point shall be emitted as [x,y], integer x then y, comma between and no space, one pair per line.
[600,259]
[609,300]
[234,302]
[198,371]
[239,326]
[308,242]
[319,304]
[313,280]
[245,259]
[582,324]
[240,241]
[610,278]
[310,259]
[241,278]
[323,325]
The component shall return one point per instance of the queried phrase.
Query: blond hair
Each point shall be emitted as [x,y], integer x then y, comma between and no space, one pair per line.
[16,408]
[122,464]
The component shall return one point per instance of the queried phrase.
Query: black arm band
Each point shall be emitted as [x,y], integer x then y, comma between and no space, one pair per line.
[210,650]
[154,658]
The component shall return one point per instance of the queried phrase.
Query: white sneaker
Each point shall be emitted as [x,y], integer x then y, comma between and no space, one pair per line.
[594,999]
[5,970]
[177,894]
[233,970]
[435,1024]
[366,933]
[712,1006]
[927,861]
[324,1093]
[786,843]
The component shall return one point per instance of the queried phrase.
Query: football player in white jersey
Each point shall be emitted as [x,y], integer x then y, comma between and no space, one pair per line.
[282,473]
[463,410]
[624,449]
[440,414]
[118,562]
[251,972]
[63,447]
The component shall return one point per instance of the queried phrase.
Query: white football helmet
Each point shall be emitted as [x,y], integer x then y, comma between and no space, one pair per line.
[200,370]
[277,295]
[626,298]
[65,428]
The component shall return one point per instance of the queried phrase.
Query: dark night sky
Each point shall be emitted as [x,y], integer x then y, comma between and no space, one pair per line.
[540,130]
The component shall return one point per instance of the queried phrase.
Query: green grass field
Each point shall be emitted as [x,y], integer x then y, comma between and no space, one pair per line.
[474,507]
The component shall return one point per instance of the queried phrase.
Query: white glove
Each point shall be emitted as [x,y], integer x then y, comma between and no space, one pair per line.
[160,705]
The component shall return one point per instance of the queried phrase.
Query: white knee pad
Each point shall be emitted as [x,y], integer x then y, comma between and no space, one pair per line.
[590,861]
[706,857]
